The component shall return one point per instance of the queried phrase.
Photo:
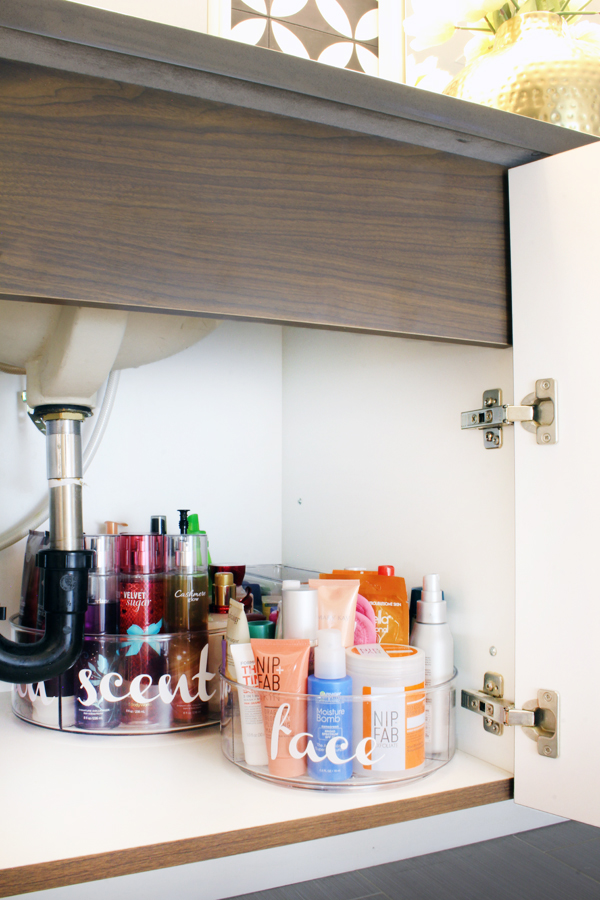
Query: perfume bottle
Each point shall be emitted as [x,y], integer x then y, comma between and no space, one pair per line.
[100,655]
[223,591]
[186,620]
[141,614]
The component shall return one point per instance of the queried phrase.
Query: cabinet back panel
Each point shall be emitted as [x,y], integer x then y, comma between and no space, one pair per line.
[113,194]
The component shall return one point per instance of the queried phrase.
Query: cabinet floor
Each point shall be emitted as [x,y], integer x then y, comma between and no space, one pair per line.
[557,862]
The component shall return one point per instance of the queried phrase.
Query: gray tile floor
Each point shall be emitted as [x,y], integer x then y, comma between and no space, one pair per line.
[560,862]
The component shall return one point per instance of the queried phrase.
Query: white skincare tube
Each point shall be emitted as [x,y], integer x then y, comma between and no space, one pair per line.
[253,729]
[237,633]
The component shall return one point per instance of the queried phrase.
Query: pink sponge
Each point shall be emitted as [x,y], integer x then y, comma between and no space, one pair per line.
[364,623]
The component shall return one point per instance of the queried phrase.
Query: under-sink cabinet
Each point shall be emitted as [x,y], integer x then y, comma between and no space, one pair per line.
[147,169]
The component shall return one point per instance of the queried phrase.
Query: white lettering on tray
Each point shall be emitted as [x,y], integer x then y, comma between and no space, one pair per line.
[363,753]
[141,684]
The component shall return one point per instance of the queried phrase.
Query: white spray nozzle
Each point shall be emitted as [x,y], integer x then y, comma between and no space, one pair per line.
[431,608]
[330,655]
[431,583]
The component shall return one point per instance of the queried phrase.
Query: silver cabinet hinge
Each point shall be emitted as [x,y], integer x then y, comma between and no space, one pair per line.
[538,718]
[537,413]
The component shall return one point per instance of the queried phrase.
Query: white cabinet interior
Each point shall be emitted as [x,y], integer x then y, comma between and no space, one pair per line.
[365,430]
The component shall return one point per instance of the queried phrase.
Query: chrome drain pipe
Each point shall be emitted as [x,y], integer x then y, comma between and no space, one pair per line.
[64,565]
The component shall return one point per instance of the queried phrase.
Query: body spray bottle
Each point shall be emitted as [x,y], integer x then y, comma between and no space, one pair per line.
[141,613]
[186,620]
[431,634]
[99,656]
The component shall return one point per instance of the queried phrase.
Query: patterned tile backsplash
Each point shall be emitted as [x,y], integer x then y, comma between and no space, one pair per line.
[343,33]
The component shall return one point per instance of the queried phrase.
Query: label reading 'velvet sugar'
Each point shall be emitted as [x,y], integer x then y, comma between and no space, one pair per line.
[141,602]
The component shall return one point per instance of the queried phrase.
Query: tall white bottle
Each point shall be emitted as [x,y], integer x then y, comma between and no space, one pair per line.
[431,634]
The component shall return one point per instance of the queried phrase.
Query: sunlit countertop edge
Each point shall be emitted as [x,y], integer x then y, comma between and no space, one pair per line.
[78,38]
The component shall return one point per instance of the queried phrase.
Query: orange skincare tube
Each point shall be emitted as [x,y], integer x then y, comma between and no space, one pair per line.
[337,605]
[282,672]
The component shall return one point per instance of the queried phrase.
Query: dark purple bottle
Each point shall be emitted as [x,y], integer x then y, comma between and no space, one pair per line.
[32,605]
[30,584]
[100,653]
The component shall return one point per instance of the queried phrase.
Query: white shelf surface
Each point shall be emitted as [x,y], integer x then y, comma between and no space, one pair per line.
[73,795]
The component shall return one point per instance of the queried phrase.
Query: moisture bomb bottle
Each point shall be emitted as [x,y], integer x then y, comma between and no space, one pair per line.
[330,710]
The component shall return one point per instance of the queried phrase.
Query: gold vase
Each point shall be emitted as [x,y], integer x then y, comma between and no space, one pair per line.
[535,68]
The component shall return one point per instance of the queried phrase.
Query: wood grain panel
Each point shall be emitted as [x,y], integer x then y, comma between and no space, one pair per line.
[25,879]
[112,194]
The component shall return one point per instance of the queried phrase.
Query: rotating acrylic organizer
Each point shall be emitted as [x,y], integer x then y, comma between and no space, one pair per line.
[150,660]
[382,734]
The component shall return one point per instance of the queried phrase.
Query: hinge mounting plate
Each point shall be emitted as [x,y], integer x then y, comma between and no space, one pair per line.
[538,718]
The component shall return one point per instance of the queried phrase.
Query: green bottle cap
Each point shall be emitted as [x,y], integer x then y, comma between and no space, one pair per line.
[264,629]
[194,528]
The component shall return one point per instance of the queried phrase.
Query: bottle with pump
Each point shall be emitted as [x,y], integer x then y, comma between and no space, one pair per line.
[183,521]
[186,619]
[330,709]
[186,594]
[431,634]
